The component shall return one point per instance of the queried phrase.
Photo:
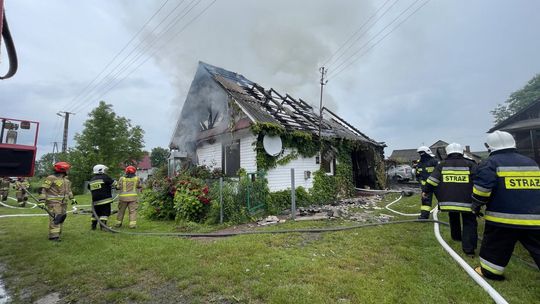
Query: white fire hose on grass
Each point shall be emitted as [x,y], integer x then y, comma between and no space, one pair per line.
[468,269]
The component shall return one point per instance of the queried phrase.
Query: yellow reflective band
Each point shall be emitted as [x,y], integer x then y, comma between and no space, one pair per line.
[127,194]
[430,169]
[491,269]
[429,181]
[521,222]
[481,193]
[425,208]
[461,178]
[467,172]
[422,182]
[455,208]
[522,182]
[518,173]
[54,230]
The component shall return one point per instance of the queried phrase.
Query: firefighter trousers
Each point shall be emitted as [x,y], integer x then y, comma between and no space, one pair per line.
[22,197]
[425,208]
[55,208]
[4,195]
[498,246]
[468,235]
[132,207]
[103,212]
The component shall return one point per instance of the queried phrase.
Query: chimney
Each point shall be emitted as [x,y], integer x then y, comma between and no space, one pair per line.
[468,149]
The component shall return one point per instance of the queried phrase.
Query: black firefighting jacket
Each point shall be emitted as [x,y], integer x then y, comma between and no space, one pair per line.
[100,186]
[425,167]
[509,183]
[452,182]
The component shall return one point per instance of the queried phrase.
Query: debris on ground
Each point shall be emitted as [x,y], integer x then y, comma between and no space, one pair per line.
[270,220]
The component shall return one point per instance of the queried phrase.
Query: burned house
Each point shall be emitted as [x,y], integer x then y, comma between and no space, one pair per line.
[226,120]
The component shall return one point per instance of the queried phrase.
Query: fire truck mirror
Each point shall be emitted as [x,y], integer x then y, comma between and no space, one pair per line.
[25,125]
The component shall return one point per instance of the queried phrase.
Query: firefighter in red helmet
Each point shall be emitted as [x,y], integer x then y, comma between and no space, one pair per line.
[128,186]
[55,193]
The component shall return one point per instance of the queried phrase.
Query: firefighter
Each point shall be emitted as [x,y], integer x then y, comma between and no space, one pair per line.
[55,193]
[100,186]
[451,181]
[128,187]
[21,185]
[508,184]
[425,167]
[4,188]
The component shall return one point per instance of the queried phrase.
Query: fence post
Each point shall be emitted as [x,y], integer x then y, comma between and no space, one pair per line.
[293,196]
[221,200]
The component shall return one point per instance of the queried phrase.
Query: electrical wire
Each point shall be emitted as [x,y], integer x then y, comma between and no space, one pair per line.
[81,93]
[156,50]
[141,52]
[330,60]
[352,60]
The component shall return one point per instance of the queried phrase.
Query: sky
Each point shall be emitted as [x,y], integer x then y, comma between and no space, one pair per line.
[436,75]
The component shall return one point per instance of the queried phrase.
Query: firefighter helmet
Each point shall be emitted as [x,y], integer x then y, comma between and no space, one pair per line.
[424,149]
[500,140]
[99,169]
[61,167]
[454,148]
[131,170]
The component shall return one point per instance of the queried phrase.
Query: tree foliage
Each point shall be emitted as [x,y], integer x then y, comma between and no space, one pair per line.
[518,100]
[158,156]
[107,139]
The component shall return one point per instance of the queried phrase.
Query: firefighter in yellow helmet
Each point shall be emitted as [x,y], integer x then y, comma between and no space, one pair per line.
[55,193]
[129,187]
[21,185]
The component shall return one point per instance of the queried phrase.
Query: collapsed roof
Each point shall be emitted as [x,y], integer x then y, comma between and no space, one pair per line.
[268,106]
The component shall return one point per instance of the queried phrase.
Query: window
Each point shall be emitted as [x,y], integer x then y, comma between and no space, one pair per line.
[230,159]
[328,161]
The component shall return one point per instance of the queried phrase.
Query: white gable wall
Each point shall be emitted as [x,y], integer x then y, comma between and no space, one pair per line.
[248,156]
[210,155]
[279,178]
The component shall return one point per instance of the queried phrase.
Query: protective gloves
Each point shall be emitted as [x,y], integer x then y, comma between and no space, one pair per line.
[73,201]
[476,208]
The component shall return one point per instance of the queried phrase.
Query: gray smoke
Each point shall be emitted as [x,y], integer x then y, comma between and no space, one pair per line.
[279,44]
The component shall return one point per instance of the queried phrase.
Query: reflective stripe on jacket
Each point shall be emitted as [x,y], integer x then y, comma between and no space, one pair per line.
[452,183]
[100,185]
[509,183]
[425,167]
[128,188]
[56,188]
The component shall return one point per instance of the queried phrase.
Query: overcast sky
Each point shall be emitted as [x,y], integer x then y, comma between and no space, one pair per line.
[436,76]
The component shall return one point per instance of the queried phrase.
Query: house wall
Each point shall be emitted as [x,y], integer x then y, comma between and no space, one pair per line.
[248,156]
[279,178]
[210,154]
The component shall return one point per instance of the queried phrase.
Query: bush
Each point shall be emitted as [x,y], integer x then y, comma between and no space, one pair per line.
[281,200]
[191,199]
[234,207]
[157,205]
[324,188]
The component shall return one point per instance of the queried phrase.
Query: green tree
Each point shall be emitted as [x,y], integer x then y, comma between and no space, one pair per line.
[518,100]
[158,156]
[106,139]
[44,166]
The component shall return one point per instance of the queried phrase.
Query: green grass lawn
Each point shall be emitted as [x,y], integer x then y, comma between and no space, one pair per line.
[400,263]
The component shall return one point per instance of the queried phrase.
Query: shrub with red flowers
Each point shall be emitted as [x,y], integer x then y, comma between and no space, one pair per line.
[191,199]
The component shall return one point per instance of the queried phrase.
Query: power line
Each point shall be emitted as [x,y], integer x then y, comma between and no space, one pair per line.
[135,48]
[330,59]
[156,50]
[140,53]
[351,60]
[117,54]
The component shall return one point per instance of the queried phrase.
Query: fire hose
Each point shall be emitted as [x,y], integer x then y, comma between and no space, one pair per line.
[10,47]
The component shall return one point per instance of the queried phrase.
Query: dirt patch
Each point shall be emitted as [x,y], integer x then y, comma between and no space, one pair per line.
[52,298]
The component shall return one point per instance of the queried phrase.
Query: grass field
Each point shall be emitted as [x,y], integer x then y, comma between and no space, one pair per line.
[400,263]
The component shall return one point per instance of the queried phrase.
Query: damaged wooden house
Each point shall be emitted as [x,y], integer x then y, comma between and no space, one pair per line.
[229,122]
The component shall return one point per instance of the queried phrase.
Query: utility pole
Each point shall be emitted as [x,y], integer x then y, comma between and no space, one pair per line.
[323,82]
[55,151]
[66,125]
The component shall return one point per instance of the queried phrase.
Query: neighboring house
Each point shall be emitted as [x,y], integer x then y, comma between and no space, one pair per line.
[216,129]
[144,168]
[525,127]
[408,156]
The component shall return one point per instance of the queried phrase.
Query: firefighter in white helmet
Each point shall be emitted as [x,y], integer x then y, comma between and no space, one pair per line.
[508,184]
[100,186]
[426,165]
[451,181]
